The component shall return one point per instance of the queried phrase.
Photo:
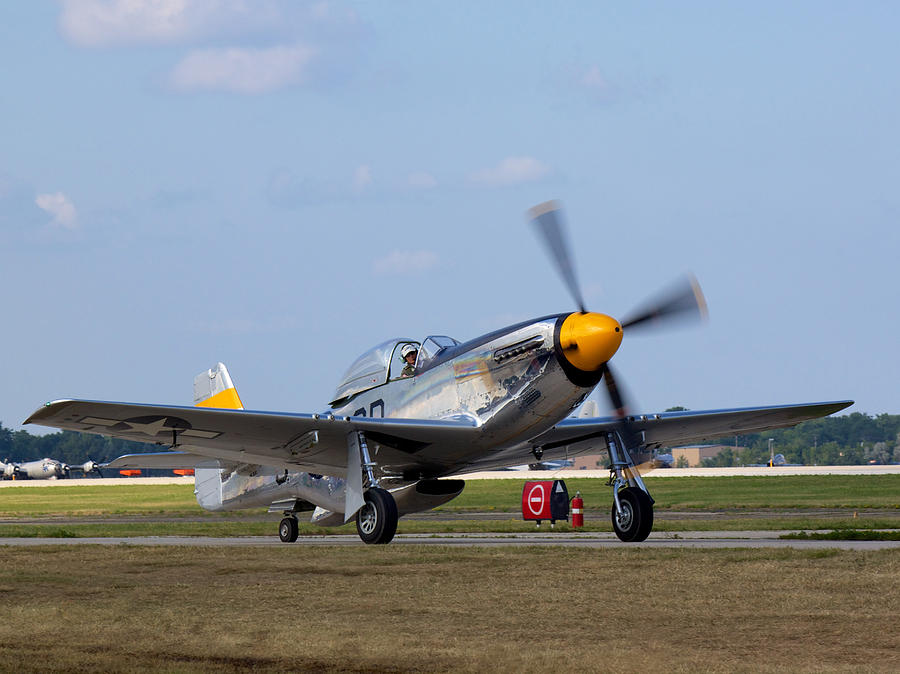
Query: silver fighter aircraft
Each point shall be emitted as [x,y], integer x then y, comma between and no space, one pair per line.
[394,434]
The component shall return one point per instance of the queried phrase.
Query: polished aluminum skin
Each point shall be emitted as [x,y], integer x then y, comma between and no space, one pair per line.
[508,386]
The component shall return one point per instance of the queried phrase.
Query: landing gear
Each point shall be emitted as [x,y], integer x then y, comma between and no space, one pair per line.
[633,520]
[632,513]
[288,530]
[376,521]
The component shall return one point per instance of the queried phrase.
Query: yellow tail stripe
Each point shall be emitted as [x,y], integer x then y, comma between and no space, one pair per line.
[227,399]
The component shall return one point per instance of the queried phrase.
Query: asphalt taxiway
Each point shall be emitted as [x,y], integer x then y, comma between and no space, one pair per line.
[682,539]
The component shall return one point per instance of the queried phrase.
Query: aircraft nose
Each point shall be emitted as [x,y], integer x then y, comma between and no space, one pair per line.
[589,340]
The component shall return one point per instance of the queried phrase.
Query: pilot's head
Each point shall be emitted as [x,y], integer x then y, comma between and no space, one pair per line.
[409,353]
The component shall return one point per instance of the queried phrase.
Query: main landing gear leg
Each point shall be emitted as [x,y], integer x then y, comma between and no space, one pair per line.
[376,521]
[632,513]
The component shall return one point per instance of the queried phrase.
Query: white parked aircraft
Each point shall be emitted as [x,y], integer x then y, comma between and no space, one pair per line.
[42,469]
[394,432]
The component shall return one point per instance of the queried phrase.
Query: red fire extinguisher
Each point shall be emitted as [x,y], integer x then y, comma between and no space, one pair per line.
[577,510]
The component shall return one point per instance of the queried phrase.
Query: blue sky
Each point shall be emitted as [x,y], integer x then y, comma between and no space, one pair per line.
[280,185]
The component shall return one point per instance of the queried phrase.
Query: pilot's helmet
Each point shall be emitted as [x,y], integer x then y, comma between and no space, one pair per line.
[407,349]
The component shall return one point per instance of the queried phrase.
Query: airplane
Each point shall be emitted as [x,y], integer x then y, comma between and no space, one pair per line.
[388,444]
[776,461]
[43,469]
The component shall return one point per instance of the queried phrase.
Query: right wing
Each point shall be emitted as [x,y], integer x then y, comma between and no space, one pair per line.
[311,443]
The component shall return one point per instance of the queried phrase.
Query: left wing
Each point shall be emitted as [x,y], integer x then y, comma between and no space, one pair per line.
[680,428]
[573,437]
[298,442]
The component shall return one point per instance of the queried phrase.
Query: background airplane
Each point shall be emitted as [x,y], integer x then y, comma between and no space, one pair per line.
[387,443]
[43,469]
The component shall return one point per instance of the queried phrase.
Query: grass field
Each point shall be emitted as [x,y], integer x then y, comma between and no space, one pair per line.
[685,503]
[408,608]
[801,491]
[417,608]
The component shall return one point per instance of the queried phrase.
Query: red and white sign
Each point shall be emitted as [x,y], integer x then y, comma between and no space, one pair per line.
[536,500]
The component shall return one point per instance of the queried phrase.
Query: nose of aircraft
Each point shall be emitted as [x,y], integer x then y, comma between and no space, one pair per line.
[589,340]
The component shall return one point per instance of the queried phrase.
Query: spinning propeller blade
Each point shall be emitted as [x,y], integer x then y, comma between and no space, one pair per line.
[547,220]
[682,301]
[620,407]
[616,400]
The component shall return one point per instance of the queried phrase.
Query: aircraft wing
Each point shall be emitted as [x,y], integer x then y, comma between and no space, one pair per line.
[312,443]
[671,429]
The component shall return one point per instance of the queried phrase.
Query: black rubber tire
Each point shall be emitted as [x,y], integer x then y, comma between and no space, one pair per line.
[376,521]
[288,530]
[637,516]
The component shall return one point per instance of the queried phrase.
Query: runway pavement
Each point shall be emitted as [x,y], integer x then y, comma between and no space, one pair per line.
[683,539]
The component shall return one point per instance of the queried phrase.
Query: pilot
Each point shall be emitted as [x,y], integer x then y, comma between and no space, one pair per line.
[408,353]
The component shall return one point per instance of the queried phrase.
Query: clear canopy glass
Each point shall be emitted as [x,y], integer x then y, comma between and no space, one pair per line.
[370,369]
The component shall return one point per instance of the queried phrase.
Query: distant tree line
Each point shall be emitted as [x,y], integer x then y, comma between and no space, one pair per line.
[853,439]
[845,440]
[66,446]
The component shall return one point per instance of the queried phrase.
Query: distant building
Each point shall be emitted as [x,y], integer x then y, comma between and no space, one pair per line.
[693,454]
[590,462]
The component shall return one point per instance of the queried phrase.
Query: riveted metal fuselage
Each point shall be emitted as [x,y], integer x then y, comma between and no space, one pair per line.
[513,385]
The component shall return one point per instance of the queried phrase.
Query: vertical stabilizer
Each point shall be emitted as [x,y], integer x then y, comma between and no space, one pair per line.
[214,388]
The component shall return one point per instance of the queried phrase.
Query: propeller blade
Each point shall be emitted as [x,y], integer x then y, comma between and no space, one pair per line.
[620,407]
[683,301]
[547,219]
[615,396]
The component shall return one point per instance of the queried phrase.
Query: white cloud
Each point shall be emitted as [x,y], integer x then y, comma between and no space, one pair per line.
[104,23]
[595,79]
[243,71]
[362,178]
[238,46]
[405,262]
[60,207]
[511,171]
[421,180]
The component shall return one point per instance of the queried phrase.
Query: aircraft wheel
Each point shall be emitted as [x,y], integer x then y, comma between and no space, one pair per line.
[376,521]
[636,520]
[288,530]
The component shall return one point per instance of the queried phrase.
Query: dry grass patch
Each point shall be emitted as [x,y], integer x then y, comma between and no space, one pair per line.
[406,608]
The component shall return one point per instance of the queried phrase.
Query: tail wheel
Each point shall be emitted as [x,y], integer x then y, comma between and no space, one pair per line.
[376,521]
[288,530]
[634,523]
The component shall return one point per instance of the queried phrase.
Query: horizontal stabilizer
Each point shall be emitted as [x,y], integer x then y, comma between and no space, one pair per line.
[163,460]
[326,518]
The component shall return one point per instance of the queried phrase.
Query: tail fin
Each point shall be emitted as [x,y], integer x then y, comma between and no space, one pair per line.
[214,388]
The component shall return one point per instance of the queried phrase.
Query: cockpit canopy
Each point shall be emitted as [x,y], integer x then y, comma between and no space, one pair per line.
[383,363]
[431,348]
